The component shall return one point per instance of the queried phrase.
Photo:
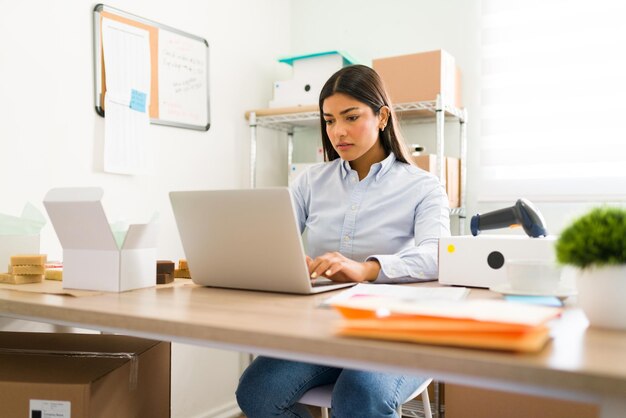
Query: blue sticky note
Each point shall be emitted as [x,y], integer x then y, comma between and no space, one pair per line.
[536,300]
[138,100]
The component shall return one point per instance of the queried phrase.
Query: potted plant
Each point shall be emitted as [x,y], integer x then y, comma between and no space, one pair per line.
[595,244]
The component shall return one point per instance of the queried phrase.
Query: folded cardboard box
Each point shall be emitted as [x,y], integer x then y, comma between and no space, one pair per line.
[421,77]
[92,258]
[452,170]
[83,375]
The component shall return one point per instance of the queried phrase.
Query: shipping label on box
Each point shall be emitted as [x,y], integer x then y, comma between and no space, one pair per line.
[92,259]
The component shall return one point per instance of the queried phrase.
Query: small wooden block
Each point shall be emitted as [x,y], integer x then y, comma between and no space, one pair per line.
[165,267]
[164,278]
[182,264]
[182,274]
[54,274]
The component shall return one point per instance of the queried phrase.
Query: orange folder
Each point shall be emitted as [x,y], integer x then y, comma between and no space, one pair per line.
[491,324]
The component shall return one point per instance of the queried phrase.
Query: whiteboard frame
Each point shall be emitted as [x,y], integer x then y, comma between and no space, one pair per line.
[98,64]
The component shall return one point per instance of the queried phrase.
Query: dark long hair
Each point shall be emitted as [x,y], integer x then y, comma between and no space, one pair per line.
[363,84]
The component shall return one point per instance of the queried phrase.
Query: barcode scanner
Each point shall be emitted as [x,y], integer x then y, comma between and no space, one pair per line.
[523,213]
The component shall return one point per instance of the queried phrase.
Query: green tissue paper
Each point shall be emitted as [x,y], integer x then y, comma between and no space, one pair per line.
[29,223]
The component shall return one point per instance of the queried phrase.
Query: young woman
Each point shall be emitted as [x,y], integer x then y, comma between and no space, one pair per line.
[371,216]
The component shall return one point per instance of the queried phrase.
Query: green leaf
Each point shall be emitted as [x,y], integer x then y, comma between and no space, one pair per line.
[597,238]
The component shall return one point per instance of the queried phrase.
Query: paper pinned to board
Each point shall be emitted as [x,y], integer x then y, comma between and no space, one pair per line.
[126,52]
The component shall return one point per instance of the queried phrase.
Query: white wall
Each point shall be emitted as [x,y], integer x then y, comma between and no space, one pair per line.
[50,135]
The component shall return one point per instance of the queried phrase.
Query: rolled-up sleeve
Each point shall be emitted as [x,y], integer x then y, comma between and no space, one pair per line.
[419,262]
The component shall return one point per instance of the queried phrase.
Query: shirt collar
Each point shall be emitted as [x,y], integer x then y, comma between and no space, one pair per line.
[380,168]
[385,165]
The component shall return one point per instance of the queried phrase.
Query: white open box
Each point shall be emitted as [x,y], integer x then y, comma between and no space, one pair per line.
[92,259]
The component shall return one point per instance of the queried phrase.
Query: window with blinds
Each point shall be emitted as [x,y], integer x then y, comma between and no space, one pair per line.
[553,100]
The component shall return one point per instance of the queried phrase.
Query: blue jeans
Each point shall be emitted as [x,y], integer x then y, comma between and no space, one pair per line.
[272,387]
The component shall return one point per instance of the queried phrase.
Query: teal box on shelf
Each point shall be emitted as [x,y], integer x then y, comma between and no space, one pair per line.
[310,72]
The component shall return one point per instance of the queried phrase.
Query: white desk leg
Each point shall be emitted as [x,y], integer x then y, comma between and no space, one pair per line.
[612,407]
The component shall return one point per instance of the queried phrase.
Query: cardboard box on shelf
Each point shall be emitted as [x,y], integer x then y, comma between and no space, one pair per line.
[453,181]
[428,162]
[92,258]
[83,375]
[469,402]
[421,77]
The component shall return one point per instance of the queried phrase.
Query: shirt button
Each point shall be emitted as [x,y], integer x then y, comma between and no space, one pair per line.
[346,238]
[353,207]
[354,180]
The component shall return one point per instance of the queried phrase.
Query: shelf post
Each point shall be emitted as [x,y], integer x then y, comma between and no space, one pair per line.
[289,151]
[463,185]
[252,124]
[441,119]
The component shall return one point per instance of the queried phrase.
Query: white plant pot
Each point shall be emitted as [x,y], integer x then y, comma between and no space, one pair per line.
[602,295]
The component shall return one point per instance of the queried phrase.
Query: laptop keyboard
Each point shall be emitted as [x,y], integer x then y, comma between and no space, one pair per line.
[322,283]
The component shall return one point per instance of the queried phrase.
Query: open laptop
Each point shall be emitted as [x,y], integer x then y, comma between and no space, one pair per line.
[244,239]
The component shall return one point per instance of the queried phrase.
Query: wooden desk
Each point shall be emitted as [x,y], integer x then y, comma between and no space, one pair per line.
[579,364]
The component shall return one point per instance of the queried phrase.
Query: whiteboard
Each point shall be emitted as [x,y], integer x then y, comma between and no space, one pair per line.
[179,90]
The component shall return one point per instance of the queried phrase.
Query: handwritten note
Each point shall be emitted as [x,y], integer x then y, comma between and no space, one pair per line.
[182,79]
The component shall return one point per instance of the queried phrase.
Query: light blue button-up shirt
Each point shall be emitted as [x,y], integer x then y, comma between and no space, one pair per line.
[394,215]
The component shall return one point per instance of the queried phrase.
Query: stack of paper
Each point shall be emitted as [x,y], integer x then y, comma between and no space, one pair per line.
[493,324]
[404,293]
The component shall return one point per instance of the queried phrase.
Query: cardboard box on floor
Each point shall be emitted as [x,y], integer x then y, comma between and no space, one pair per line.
[92,259]
[421,77]
[468,402]
[428,162]
[83,375]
